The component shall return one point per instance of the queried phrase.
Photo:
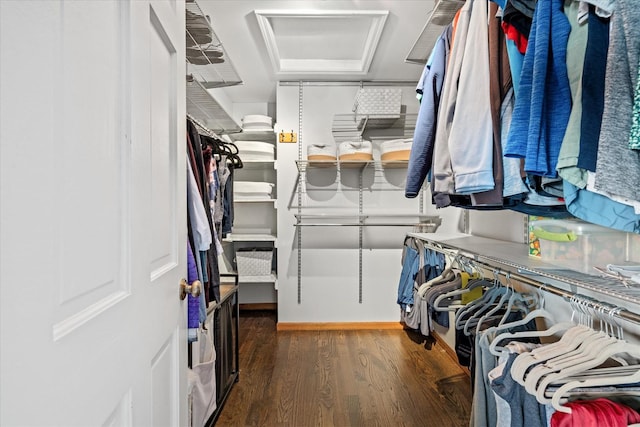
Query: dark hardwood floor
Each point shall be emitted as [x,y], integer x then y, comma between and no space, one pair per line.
[343,378]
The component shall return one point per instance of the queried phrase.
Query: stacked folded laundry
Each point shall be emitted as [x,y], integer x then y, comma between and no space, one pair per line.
[257,123]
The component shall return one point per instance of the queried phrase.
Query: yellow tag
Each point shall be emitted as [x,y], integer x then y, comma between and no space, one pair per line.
[288,137]
[474,293]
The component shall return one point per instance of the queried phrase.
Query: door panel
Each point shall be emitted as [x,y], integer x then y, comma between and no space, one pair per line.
[89,144]
[162,86]
[92,213]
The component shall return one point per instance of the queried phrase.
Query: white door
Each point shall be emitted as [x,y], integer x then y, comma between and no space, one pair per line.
[92,204]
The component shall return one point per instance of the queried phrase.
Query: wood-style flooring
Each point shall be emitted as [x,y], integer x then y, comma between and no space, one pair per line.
[343,378]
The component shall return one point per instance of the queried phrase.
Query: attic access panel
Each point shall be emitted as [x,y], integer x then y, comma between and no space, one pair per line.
[321,42]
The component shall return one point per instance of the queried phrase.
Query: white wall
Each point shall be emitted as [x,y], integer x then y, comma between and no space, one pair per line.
[330,258]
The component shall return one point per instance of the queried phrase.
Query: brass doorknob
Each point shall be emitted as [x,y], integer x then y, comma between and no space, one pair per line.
[193,289]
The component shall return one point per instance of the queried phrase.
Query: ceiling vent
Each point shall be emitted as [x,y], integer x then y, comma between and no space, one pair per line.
[321,42]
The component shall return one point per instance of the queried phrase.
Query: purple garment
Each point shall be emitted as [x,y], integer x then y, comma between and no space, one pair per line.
[193,308]
[192,269]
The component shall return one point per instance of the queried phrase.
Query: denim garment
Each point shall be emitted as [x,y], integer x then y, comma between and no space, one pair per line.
[410,268]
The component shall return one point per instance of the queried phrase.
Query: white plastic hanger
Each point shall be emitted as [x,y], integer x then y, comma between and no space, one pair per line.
[475,304]
[603,355]
[602,381]
[438,302]
[497,294]
[541,313]
[597,354]
[569,341]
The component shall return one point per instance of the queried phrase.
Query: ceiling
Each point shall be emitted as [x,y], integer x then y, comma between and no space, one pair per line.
[313,47]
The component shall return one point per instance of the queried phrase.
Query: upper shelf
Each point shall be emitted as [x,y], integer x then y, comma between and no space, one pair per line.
[207,60]
[204,108]
[353,127]
[440,17]
[208,66]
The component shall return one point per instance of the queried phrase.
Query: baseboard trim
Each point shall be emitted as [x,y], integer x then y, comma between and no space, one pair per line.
[272,306]
[336,326]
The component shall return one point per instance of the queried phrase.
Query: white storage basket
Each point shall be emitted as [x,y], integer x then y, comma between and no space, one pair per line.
[254,262]
[384,103]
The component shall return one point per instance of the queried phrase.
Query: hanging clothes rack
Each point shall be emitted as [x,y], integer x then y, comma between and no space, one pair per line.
[498,268]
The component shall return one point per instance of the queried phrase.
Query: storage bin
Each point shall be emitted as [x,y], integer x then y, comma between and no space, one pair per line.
[254,261]
[248,190]
[580,246]
[382,102]
[361,151]
[321,153]
[396,150]
[255,150]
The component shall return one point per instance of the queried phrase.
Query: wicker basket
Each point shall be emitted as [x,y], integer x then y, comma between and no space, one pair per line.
[254,262]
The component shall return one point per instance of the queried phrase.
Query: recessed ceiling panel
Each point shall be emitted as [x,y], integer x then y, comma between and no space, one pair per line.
[321,42]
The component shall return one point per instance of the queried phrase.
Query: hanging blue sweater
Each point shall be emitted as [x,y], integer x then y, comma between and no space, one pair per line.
[543,103]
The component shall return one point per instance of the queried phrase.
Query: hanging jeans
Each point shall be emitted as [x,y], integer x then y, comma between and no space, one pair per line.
[410,267]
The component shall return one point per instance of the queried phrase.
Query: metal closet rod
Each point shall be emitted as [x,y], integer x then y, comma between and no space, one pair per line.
[621,312]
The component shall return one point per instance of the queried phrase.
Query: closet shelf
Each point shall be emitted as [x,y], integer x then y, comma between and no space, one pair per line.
[440,17]
[257,163]
[207,60]
[304,165]
[272,278]
[354,127]
[244,135]
[204,108]
[256,200]
[514,257]
[239,237]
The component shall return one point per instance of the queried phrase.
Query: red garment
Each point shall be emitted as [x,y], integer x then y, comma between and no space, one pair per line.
[515,35]
[595,413]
